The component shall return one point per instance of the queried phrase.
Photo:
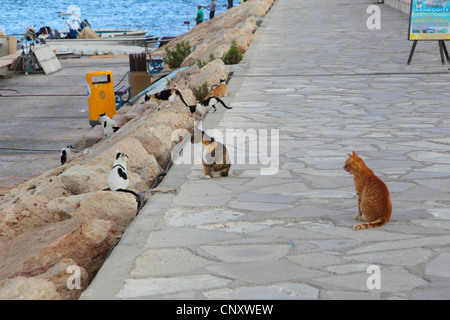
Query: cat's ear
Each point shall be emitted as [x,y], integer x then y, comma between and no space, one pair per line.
[354,154]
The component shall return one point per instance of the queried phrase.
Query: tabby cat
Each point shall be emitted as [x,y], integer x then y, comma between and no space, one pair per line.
[373,195]
[165,95]
[215,158]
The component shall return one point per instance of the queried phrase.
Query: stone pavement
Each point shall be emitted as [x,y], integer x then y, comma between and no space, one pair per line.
[330,86]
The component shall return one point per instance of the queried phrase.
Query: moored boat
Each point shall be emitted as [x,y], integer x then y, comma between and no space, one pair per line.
[112,33]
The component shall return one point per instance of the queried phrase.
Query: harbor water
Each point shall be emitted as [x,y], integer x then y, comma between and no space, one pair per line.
[157,17]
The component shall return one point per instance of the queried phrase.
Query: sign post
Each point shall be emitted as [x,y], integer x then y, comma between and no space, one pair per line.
[430,20]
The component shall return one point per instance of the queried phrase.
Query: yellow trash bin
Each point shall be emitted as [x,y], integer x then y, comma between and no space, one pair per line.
[100,95]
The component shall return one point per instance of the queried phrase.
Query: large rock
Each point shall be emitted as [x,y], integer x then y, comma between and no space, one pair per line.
[128,145]
[157,141]
[177,117]
[150,171]
[28,212]
[51,187]
[79,179]
[212,73]
[260,8]
[116,206]
[51,285]
[63,272]
[86,242]
[22,288]
[188,96]
[194,77]
[200,51]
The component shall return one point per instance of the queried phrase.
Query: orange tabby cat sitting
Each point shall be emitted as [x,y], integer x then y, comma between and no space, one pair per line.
[373,195]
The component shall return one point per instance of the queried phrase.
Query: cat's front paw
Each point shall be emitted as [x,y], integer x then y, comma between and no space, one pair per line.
[205,177]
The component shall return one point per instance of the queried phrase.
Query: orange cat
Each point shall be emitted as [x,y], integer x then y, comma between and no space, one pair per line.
[220,90]
[373,195]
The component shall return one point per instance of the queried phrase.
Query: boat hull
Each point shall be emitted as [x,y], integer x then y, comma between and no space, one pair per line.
[120,41]
[109,33]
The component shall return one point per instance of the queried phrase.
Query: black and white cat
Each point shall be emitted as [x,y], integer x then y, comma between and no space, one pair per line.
[108,124]
[66,154]
[206,105]
[118,178]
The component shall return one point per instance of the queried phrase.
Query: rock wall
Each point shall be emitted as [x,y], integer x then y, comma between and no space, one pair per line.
[64,218]
[215,35]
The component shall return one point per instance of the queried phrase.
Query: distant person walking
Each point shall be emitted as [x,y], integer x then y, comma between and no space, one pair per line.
[212,8]
[199,18]
[230,4]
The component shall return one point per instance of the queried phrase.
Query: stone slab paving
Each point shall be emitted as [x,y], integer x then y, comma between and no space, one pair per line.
[281,227]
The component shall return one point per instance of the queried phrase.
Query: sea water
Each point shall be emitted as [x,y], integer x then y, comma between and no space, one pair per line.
[157,17]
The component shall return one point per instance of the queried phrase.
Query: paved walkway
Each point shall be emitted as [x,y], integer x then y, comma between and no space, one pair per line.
[330,86]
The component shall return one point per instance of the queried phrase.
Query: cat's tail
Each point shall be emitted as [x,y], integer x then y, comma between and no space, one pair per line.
[372,224]
[181,97]
[223,103]
[139,198]
[192,108]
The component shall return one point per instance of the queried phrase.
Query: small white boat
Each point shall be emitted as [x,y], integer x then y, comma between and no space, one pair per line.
[112,33]
[108,41]
[81,39]
[82,33]
[74,21]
